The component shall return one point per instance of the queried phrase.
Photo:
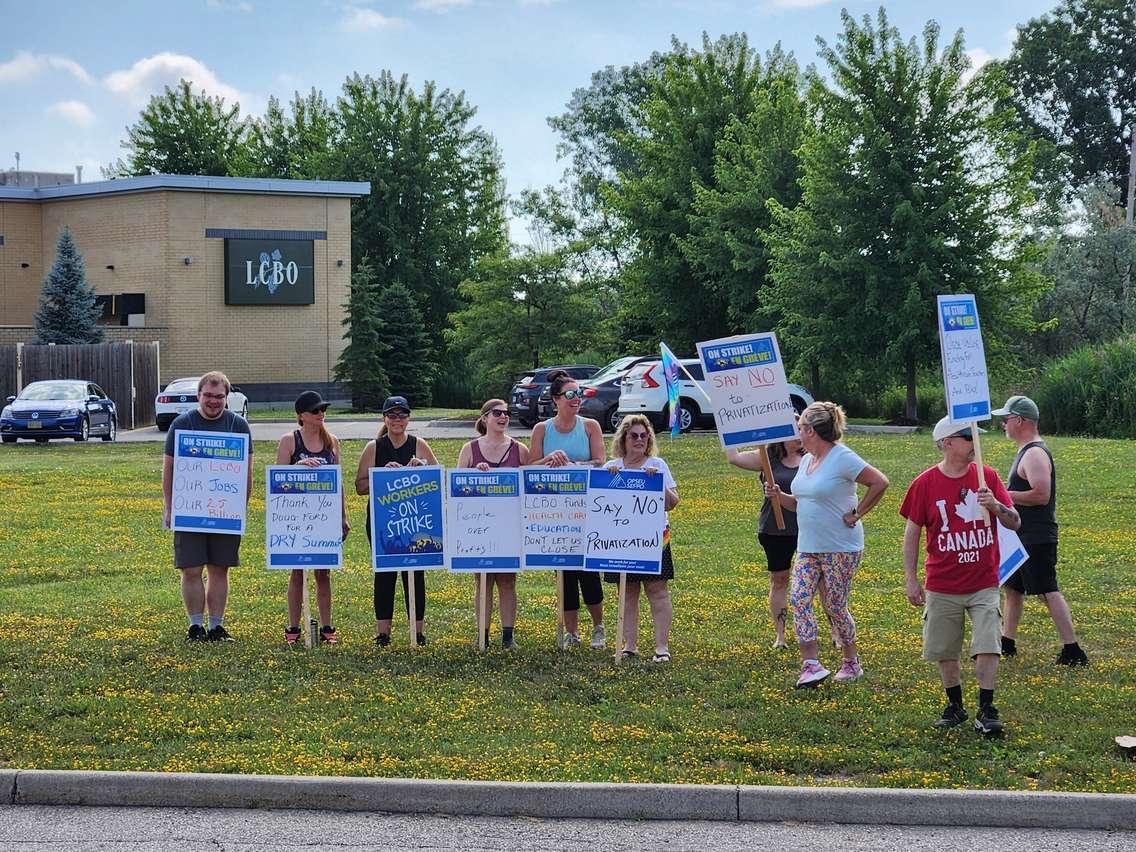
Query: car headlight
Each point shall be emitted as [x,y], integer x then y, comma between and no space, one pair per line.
[69,412]
[7,412]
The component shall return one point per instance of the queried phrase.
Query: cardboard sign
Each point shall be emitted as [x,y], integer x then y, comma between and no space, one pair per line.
[303,516]
[554,517]
[626,520]
[407,521]
[210,485]
[1012,554]
[483,520]
[964,359]
[746,379]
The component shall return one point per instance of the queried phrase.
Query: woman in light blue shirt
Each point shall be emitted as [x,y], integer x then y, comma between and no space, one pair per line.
[830,538]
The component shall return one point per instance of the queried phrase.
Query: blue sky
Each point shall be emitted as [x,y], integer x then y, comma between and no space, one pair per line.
[74,75]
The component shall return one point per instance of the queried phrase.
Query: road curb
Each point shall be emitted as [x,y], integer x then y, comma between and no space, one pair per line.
[995,808]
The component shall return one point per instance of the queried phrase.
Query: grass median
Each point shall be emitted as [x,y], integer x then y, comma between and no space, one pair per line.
[94,673]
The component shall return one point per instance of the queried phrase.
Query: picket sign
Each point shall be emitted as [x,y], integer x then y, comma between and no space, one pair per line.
[210,482]
[1012,554]
[303,518]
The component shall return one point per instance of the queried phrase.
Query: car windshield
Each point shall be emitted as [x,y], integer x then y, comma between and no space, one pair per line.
[54,390]
[613,369]
[183,386]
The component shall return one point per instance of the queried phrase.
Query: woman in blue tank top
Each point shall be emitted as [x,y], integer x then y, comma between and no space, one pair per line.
[565,439]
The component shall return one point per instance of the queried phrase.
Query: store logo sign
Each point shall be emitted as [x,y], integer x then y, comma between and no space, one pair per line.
[272,272]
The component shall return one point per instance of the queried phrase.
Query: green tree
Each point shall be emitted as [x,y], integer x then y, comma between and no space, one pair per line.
[913,186]
[360,364]
[409,362]
[67,311]
[298,144]
[183,132]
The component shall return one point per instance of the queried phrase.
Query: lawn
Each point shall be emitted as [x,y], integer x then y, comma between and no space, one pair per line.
[94,673]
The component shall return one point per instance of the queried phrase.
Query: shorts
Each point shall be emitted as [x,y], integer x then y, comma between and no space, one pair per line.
[668,572]
[779,550]
[1038,576]
[192,549]
[943,624]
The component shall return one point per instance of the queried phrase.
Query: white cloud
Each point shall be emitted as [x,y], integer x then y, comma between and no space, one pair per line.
[440,5]
[229,5]
[77,112]
[26,64]
[151,75]
[357,20]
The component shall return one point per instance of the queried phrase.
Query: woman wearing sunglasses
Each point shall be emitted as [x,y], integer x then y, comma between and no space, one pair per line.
[394,447]
[568,438]
[495,449]
[634,449]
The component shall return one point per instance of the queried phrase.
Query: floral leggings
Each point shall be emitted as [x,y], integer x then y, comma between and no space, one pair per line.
[837,570]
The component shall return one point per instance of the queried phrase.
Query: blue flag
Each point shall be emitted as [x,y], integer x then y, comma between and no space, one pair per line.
[670,375]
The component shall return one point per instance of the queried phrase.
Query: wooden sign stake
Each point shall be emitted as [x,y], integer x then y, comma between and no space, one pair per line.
[560,609]
[307,615]
[620,644]
[978,463]
[412,610]
[767,469]
[482,610]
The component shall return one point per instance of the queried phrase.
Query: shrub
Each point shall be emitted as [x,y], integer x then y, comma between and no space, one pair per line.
[930,403]
[1091,391]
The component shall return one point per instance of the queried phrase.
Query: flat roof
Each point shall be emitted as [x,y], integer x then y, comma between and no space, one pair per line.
[189,183]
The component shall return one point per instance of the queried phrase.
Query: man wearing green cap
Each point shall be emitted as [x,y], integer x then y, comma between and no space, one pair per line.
[1033,486]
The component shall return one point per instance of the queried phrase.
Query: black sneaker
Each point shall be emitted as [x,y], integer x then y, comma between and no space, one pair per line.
[421,639]
[1009,647]
[219,634]
[953,715]
[1072,656]
[382,640]
[986,720]
[196,634]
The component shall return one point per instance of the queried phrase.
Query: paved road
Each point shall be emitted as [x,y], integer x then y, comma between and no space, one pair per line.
[34,827]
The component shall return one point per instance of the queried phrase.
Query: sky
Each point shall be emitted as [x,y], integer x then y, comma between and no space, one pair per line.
[74,75]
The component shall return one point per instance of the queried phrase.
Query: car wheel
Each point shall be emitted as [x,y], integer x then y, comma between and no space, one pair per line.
[84,431]
[687,416]
[245,412]
[163,425]
[611,419]
[112,433]
[41,440]
[9,439]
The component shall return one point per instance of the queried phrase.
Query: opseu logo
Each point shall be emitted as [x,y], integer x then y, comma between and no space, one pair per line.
[272,271]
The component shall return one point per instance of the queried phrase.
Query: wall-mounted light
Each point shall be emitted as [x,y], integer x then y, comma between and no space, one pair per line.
[339,263]
[187,260]
[24,265]
[110,266]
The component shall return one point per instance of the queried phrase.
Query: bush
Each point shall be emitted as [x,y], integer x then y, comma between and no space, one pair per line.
[930,403]
[1091,391]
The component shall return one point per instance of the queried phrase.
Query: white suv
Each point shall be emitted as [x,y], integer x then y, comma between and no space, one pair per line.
[644,391]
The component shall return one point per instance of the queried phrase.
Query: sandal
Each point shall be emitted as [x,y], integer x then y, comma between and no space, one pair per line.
[292,635]
[629,654]
[661,657]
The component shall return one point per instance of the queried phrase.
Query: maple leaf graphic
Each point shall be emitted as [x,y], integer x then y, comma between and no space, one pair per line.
[969,510]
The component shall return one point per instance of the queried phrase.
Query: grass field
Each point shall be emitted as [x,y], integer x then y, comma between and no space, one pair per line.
[94,673]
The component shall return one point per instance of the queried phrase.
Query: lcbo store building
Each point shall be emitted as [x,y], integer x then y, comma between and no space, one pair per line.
[245,275]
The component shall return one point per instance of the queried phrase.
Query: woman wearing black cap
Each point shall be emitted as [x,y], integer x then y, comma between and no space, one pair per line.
[311,445]
[393,447]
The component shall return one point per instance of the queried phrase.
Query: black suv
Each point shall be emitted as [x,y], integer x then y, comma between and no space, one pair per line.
[525,393]
[601,393]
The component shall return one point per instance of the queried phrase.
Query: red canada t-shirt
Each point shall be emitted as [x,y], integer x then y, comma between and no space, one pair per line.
[962,552]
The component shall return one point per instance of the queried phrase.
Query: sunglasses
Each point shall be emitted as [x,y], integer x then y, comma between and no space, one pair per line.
[637,436]
[966,436]
[572,394]
[397,415]
[498,412]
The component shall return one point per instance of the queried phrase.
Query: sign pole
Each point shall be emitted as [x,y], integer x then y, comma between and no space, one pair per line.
[978,464]
[559,609]
[482,607]
[307,613]
[767,469]
[620,644]
[412,607]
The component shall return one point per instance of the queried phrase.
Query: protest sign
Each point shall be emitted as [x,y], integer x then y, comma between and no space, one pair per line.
[749,391]
[303,518]
[483,520]
[210,482]
[406,518]
[964,359]
[554,517]
[1012,554]
[626,520]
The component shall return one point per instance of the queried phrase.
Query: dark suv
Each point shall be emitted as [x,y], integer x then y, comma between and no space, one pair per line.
[523,397]
[601,393]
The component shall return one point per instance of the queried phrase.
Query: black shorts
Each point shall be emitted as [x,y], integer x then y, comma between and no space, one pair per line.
[193,549]
[1038,576]
[668,572]
[779,550]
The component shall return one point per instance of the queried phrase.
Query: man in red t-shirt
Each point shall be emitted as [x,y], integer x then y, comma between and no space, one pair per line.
[961,568]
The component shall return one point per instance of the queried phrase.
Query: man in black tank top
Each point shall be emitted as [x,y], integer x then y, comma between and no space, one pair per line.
[1033,486]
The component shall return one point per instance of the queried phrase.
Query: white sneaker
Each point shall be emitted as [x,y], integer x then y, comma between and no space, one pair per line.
[571,640]
[599,638]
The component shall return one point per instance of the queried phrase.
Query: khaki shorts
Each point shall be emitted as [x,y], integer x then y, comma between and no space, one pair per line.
[943,624]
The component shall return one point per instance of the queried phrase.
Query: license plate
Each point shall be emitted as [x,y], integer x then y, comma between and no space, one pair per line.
[34,424]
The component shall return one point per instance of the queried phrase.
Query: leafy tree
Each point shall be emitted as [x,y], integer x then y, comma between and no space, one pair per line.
[67,311]
[185,133]
[409,353]
[296,145]
[913,186]
[360,364]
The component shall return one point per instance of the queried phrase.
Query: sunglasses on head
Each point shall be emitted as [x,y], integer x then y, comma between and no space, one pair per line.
[497,412]
[575,393]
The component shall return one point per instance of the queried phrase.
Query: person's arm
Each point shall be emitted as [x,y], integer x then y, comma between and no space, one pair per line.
[284,449]
[335,459]
[745,459]
[877,484]
[362,474]
[425,455]
[1007,515]
[911,535]
[595,442]
[1034,466]
[167,489]
[773,492]
[465,457]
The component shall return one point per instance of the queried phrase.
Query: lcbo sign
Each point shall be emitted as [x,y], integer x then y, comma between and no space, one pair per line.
[269,272]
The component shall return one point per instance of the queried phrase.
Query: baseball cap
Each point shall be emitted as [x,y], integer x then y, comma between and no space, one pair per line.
[1022,406]
[946,428]
[310,402]
[393,402]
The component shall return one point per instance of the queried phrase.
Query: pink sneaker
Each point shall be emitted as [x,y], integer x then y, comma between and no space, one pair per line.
[812,673]
[851,670]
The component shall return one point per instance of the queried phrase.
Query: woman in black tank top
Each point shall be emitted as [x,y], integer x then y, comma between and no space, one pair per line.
[393,447]
[311,445]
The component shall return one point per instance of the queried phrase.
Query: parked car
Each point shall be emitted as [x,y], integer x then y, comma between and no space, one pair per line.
[525,393]
[180,396]
[601,393]
[644,391]
[59,408]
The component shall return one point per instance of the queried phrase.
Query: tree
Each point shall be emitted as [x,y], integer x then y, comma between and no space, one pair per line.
[913,185]
[297,145]
[360,365]
[409,360]
[183,132]
[67,311]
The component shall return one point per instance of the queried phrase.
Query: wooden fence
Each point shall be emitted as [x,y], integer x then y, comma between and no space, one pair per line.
[127,372]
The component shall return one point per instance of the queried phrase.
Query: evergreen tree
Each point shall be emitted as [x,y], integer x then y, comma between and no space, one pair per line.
[67,311]
[360,364]
[409,363]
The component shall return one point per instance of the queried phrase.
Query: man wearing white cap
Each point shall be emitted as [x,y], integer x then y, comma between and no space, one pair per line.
[961,569]
[1033,486]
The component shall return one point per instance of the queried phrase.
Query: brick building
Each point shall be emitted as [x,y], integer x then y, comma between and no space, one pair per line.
[245,275]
